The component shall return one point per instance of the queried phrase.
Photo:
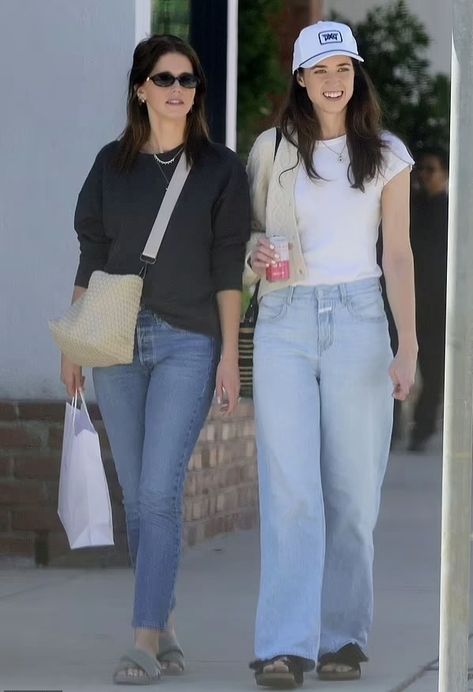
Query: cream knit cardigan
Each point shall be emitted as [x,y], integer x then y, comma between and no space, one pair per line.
[273,205]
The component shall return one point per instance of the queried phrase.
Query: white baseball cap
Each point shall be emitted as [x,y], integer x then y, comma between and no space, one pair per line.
[322,40]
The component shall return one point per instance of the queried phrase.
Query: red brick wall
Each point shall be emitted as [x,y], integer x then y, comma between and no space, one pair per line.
[295,15]
[287,24]
[220,496]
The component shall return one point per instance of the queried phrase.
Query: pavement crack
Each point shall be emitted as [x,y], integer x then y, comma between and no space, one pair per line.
[414,678]
[431,667]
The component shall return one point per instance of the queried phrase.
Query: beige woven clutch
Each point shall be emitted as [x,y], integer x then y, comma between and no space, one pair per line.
[98,330]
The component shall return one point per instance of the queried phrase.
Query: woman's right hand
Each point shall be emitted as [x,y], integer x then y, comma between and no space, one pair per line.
[71,376]
[262,256]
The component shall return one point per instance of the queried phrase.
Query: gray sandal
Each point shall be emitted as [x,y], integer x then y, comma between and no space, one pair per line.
[170,653]
[139,660]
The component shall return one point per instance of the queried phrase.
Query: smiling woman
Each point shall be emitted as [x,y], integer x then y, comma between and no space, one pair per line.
[334,72]
[324,373]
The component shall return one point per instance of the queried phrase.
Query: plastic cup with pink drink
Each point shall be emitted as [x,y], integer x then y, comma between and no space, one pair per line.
[279,271]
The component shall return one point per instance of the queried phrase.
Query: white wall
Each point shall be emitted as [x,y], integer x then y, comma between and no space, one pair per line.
[436,15]
[63,71]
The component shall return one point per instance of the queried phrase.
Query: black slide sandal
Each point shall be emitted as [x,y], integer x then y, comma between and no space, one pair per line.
[289,675]
[350,656]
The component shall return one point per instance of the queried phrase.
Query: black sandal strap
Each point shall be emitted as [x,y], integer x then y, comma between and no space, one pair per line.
[349,655]
[295,664]
[293,676]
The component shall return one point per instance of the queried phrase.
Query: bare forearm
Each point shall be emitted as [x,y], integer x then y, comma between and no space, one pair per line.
[399,274]
[229,306]
[398,263]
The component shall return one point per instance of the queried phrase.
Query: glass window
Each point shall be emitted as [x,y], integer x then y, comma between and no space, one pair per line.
[171,17]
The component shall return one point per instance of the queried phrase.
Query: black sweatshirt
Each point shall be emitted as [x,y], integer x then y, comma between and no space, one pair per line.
[203,248]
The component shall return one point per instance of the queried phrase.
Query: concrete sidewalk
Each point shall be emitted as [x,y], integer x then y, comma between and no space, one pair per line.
[65,629]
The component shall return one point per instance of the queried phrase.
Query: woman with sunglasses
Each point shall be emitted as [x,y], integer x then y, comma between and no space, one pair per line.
[187,329]
[324,374]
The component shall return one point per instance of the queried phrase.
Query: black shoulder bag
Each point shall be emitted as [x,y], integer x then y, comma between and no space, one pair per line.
[247,328]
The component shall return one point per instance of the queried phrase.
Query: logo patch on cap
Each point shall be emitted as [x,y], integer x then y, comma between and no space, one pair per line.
[330,37]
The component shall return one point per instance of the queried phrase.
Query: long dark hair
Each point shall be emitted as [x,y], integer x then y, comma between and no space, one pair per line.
[300,125]
[137,129]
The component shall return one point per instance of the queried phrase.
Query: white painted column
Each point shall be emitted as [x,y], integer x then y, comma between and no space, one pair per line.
[142,19]
[232,74]
[458,415]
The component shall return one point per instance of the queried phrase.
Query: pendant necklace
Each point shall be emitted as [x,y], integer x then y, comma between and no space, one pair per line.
[338,154]
[166,181]
[161,163]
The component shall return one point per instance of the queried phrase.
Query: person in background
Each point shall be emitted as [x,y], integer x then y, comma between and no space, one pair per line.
[324,372]
[429,231]
[187,331]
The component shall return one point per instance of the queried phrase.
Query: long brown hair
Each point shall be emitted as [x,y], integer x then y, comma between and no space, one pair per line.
[137,129]
[300,125]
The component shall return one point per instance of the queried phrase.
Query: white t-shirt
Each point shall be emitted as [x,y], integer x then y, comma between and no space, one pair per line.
[338,225]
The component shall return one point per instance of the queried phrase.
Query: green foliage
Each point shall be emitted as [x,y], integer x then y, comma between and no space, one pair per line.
[416,104]
[171,17]
[259,71]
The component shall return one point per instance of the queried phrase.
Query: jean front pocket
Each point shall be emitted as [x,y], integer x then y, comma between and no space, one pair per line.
[145,329]
[367,306]
[272,307]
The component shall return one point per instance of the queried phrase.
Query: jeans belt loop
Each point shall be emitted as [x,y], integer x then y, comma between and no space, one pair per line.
[290,294]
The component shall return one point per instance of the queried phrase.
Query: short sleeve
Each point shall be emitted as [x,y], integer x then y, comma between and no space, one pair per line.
[396,157]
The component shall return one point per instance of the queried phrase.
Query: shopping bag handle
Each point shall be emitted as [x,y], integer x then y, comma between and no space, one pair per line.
[74,407]
[83,404]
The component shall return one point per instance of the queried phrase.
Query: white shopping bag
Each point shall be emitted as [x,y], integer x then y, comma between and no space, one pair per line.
[84,501]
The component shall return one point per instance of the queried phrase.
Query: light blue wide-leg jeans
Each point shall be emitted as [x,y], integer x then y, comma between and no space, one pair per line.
[323,406]
[153,411]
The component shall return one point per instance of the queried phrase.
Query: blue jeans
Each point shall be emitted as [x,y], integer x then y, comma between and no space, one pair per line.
[153,411]
[323,400]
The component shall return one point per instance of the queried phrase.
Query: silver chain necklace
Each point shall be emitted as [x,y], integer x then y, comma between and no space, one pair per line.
[167,163]
[160,163]
[338,154]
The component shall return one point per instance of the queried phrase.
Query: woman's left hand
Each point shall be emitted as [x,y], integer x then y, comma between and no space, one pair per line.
[403,371]
[227,386]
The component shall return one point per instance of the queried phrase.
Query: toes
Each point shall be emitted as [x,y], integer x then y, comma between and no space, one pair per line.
[135,672]
[280,667]
[336,668]
[276,667]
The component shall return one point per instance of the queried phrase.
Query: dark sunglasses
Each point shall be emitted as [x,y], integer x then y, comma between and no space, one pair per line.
[187,80]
